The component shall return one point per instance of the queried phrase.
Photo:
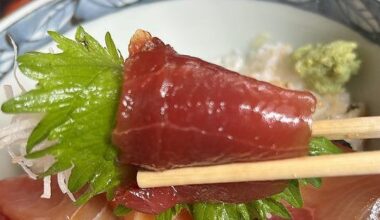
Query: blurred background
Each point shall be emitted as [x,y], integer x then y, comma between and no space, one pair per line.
[7,6]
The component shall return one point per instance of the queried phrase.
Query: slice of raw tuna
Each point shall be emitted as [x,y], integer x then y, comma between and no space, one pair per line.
[177,110]
[20,200]
[341,198]
[345,198]
[134,215]
[157,200]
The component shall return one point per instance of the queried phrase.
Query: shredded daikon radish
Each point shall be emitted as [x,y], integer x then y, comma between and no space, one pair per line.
[15,50]
[47,184]
[47,188]
[21,162]
[8,91]
[62,178]
[15,136]
[24,126]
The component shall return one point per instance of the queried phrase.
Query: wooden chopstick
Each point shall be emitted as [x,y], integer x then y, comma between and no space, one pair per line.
[350,128]
[347,164]
[304,167]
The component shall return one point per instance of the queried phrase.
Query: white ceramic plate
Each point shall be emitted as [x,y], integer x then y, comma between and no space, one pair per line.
[211,28]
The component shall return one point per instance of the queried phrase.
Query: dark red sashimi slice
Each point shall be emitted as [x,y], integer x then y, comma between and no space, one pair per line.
[134,215]
[3,217]
[297,214]
[20,200]
[339,199]
[157,200]
[178,110]
[342,198]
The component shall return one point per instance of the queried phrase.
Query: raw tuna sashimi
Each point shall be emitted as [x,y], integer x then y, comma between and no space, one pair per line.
[20,200]
[156,200]
[134,215]
[177,110]
[342,198]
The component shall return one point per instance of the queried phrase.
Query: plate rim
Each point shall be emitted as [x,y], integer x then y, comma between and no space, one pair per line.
[21,12]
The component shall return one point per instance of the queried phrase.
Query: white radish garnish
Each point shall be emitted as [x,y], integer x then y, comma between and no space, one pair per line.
[63,178]
[15,136]
[47,188]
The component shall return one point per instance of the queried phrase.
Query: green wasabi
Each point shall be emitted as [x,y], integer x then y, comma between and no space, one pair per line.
[326,68]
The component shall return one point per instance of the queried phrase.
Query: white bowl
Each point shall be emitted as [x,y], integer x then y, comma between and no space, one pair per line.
[211,28]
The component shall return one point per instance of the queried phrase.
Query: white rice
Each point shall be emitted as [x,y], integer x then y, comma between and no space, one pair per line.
[271,62]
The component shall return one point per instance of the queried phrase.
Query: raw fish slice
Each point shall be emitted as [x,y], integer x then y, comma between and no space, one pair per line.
[297,214]
[134,215]
[342,198]
[20,200]
[157,200]
[2,217]
[177,110]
